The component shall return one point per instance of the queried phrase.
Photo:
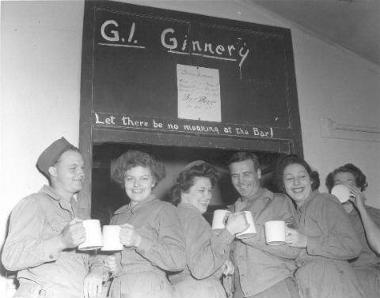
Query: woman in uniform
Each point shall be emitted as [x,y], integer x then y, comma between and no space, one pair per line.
[151,232]
[207,250]
[325,235]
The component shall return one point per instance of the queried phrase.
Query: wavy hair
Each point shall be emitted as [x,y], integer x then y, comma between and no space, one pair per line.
[134,158]
[294,159]
[186,178]
[360,178]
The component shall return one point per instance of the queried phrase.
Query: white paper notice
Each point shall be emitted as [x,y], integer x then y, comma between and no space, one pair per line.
[198,93]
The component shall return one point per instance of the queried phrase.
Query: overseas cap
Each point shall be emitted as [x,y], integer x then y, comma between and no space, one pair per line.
[52,153]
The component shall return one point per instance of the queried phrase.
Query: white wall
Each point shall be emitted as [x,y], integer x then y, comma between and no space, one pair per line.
[40,70]
[40,96]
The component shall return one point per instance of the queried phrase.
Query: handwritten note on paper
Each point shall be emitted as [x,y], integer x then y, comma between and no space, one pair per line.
[198,93]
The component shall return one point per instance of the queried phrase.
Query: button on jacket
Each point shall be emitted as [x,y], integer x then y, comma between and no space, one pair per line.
[261,266]
[32,250]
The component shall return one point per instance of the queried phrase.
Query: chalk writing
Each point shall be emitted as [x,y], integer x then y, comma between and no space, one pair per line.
[181,44]
[128,121]
[113,34]
[121,121]
[109,31]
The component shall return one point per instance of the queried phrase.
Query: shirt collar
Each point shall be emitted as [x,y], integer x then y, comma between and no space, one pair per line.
[311,196]
[260,192]
[188,205]
[52,193]
[128,207]
[55,196]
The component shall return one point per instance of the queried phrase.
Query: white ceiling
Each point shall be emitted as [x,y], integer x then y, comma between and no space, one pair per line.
[351,24]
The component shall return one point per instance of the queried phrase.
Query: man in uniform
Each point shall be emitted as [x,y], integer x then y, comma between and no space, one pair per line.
[261,270]
[44,232]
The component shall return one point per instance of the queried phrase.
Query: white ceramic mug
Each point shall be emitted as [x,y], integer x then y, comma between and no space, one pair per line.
[275,232]
[111,238]
[93,235]
[342,192]
[219,219]
[251,228]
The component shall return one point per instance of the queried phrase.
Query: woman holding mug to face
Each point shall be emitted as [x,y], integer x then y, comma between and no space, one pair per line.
[207,251]
[150,231]
[325,234]
[366,222]
[365,219]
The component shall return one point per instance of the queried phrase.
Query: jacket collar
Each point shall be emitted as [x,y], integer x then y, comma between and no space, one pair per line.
[56,197]
[188,205]
[128,207]
[311,196]
[262,192]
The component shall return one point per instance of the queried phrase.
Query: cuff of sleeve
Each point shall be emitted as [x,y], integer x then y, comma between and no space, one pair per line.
[312,244]
[221,242]
[226,236]
[257,238]
[260,233]
[52,248]
[145,245]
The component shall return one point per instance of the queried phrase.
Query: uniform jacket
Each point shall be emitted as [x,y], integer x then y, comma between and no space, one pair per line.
[331,241]
[367,256]
[206,250]
[162,246]
[161,250]
[260,266]
[32,246]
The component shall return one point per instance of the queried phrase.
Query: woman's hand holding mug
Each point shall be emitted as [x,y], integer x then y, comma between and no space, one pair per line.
[128,236]
[356,196]
[236,223]
[295,238]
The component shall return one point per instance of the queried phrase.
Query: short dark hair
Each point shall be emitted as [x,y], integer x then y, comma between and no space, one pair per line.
[186,179]
[242,156]
[294,159]
[360,178]
[134,158]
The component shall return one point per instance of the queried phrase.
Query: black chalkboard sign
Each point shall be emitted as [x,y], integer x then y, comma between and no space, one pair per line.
[175,78]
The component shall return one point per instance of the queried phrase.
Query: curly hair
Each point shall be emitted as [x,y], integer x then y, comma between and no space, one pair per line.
[294,159]
[360,178]
[186,178]
[134,158]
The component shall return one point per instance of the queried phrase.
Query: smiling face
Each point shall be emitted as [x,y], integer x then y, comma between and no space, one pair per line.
[67,174]
[138,182]
[199,194]
[245,178]
[297,183]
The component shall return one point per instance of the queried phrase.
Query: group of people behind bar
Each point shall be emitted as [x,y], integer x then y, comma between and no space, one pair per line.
[170,250]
